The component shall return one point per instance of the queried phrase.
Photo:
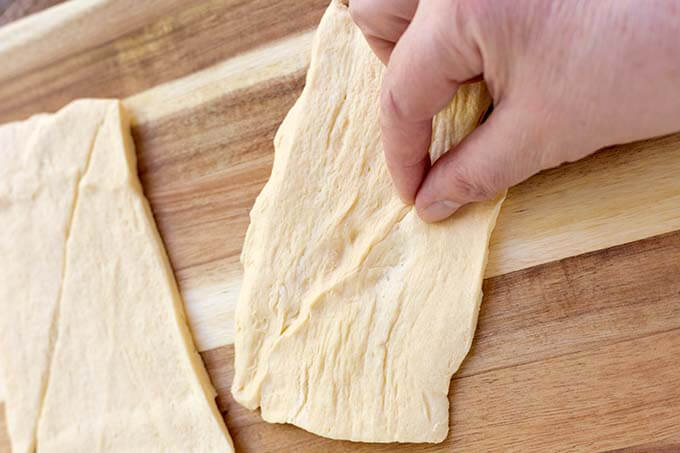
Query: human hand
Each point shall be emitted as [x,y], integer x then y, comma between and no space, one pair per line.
[567,77]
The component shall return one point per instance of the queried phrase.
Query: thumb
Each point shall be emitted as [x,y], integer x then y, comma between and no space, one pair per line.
[501,152]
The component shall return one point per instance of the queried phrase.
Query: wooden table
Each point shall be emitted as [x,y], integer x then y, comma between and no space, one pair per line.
[579,334]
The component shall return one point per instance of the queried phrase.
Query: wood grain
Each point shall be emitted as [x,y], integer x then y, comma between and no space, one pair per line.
[611,396]
[280,59]
[567,356]
[12,10]
[190,36]
[608,296]
[76,26]
[664,446]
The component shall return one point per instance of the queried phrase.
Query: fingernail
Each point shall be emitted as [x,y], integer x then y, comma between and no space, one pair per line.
[439,210]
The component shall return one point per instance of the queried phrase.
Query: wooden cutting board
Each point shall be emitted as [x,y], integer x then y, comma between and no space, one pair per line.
[579,334]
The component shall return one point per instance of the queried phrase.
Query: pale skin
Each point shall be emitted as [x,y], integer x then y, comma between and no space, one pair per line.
[567,78]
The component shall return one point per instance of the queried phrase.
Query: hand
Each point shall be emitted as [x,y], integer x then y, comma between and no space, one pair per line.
[567,77]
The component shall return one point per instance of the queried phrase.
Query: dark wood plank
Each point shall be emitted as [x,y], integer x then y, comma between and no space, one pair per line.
[11,10]
[610,295]
[601,399]
[186,40]
[580,353]
[663,446]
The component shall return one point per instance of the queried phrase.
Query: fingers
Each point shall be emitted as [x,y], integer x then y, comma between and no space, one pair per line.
[498,154]
[382,22]
[424,71]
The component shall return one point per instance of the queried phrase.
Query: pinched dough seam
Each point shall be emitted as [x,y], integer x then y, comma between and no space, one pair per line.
[54,325]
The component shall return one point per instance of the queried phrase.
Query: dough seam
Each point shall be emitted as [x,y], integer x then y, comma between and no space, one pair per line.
[54,326]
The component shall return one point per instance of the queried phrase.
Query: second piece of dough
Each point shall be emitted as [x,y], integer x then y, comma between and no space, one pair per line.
[94,328]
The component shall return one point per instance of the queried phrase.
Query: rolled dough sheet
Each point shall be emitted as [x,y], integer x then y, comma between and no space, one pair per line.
[354,314]
[95,351]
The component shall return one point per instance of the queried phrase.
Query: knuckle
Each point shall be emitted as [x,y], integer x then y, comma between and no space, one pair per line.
[469,186]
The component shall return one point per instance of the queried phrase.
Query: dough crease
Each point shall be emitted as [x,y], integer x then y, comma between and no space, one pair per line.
[54,325]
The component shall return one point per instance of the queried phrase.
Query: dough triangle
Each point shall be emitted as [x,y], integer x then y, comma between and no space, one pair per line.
[118,371]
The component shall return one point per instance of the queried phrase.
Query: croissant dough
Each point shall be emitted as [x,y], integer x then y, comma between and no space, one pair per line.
[95,349]
[353,313]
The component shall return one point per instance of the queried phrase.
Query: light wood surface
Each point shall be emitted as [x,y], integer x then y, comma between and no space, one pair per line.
[575,350]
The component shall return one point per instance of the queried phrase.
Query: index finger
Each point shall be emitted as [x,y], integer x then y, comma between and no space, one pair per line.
[418,83]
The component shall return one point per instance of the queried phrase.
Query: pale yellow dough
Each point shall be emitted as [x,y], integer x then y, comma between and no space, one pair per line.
[353,313]
[94,348]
